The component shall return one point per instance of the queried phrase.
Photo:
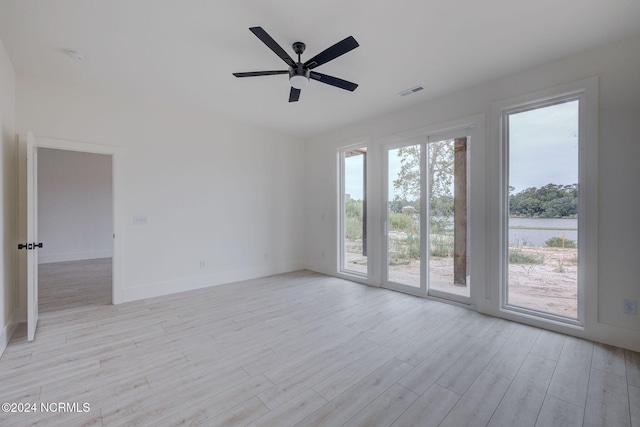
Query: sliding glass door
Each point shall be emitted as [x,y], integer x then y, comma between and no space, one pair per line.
[426,232]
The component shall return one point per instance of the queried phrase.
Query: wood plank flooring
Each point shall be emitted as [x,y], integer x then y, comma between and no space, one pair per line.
[301,349]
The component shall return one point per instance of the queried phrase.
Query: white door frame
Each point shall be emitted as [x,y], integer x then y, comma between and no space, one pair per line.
[117,189]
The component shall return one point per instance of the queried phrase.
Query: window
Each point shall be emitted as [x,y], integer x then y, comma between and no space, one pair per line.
[547,227]
[353,233]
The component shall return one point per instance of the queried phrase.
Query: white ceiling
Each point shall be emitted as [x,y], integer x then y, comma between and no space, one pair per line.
[184,51]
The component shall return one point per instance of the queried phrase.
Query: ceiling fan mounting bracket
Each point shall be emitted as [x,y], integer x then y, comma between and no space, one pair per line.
[298,48]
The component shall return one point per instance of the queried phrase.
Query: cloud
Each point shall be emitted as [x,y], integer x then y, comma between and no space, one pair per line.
[543,146]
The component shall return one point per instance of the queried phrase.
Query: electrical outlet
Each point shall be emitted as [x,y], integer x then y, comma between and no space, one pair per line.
[630,306]
[201,264]
[140,220]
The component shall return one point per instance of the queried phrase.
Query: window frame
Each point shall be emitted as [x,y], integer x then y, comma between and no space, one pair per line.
[341,210]
[585,91]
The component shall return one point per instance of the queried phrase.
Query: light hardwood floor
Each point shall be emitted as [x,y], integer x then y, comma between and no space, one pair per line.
[302,349]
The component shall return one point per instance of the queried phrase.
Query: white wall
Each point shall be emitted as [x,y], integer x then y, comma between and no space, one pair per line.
[7,198]
[75,212]
[618,68]
[212,190]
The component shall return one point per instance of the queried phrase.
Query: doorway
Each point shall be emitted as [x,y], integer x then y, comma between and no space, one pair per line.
[75,224]
[28,219]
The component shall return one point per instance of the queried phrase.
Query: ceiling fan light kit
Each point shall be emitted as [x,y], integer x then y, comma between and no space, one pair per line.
[299,79]
[300,73]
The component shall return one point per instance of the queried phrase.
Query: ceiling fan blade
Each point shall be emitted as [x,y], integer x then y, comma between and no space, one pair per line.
[294,95]
[333,81]
[271,44]
[333,52]
[260,73]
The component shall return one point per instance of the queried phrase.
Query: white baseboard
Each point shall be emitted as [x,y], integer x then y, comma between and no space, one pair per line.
[320,268]
[330,270]
[7,331]
[74,256]
[182,285]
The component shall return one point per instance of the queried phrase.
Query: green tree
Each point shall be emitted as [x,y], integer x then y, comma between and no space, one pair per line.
[353,209]
[549,201]
[440,175]
[440,163]
[398,203]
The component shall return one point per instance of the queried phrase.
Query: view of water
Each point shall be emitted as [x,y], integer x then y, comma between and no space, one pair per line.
[534,231]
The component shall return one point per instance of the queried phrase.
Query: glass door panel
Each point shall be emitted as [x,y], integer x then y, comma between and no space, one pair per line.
[404,215]
[447,185]
[354,211]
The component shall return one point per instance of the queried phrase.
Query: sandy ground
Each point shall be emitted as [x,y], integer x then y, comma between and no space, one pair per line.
[550,287]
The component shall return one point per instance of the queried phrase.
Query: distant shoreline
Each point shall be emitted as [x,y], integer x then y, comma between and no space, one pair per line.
[542,217]
[524,227]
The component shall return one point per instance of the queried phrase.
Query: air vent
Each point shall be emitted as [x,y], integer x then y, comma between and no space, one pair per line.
[411,91]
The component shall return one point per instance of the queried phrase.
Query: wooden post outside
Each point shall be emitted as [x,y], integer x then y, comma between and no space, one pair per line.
[460,212]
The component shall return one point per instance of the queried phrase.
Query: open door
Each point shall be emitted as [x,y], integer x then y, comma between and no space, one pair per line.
[32,244]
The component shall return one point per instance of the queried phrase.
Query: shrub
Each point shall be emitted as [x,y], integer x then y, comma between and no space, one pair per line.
[353,208]
[441,245]
[353,228]
[405,248]
[556,242]
[518,256]
[413,246]
[400,222]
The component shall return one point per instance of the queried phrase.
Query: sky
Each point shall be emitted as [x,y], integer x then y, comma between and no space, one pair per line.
[353,176]
[543,146]
[543,149]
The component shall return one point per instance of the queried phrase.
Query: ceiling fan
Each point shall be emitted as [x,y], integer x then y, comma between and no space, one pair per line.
[299,72]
